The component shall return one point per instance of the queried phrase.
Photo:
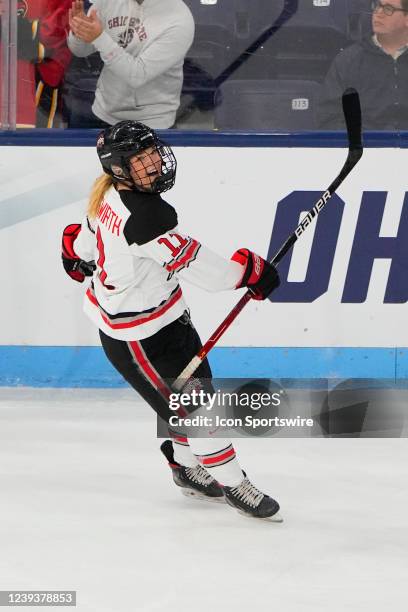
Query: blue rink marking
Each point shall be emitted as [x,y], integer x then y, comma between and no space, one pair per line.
[66,366]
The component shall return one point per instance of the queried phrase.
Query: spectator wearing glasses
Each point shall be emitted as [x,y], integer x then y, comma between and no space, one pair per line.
[142,44]
[378,68]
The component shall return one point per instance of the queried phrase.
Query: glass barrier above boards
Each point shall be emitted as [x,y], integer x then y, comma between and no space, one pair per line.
[224,65]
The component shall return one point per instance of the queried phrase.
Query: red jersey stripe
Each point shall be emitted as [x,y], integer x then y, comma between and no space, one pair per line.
[149,317]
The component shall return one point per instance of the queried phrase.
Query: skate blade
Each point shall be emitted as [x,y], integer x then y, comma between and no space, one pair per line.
[275,518]
[200,497]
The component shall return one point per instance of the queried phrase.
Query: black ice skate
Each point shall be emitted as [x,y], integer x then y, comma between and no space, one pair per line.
[248,500]
[194,482]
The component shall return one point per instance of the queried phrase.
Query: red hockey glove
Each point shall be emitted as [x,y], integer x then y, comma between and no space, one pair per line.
[75,267]
[259,276]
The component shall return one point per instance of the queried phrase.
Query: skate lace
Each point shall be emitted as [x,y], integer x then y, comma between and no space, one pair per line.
[248,493]
[199,475]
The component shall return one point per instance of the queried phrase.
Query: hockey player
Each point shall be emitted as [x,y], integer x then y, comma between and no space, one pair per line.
[131,244]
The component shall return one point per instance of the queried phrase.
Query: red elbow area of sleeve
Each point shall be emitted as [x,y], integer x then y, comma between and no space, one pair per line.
[70,234]
[241,256]
[253,266]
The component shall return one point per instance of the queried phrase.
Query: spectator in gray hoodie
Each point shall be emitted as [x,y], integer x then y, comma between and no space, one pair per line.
[142,44]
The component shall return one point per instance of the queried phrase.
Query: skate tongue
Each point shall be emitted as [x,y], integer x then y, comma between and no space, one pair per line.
[248,493]
[199,475]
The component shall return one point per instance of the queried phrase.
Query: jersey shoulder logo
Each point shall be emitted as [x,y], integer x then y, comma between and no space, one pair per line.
[22,8]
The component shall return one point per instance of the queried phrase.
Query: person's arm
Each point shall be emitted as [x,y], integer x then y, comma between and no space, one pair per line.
[78,47]
[185,256]
[85,245]
[168,48]
[50,71]
[53,28]
[155,234]
[29,47]
[76,15]
[166,51]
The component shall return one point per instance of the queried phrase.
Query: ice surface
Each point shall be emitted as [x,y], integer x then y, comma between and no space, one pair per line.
[87,504]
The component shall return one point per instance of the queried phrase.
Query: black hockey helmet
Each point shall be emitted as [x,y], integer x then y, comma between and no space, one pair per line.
[117,144]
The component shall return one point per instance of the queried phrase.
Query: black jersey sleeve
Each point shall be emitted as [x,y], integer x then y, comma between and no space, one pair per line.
[150,216]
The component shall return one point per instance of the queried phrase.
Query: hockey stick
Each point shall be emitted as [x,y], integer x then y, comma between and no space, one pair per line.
[352,116]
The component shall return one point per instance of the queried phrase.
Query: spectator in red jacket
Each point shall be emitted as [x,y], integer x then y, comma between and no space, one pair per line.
[42,58]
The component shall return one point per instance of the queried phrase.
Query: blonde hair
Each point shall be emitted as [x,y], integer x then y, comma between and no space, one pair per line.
[99,188]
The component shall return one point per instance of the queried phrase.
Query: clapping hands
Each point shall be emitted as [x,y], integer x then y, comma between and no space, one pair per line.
[85,27]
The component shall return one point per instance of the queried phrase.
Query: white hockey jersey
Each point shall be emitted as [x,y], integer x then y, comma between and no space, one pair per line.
[140,254]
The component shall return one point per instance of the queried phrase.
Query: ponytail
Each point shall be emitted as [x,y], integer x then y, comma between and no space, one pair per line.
[100,187]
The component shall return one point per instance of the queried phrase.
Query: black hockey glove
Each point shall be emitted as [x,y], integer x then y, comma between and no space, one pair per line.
[259,276]
[75,267]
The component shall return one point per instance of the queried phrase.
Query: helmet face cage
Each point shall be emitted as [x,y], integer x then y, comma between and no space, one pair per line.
[156,159]
[117,145]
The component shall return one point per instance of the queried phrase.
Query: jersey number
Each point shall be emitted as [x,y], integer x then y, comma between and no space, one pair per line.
[175,249]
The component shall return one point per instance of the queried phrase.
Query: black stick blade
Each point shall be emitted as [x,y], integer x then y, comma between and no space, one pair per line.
[352,116]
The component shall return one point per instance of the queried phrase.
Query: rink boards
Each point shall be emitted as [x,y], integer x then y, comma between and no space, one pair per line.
[340,310]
